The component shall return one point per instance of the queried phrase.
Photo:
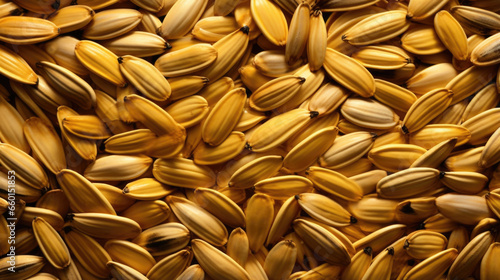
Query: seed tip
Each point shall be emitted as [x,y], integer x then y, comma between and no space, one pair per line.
[248,147]
[316,13]
[405,129]
[368,250]
[353,220]
[245,29]
[390,250]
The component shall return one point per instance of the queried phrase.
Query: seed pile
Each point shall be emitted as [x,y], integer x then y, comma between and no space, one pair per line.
[249,139]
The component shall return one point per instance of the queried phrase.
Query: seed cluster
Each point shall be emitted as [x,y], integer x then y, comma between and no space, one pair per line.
[249,139]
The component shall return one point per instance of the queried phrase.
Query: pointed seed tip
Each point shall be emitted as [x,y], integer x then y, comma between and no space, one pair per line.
[245,29]
[313,114]
[120,60]
[405,129]
[185,253]
[368,250]
[248,147]
[390,250]
[70,216]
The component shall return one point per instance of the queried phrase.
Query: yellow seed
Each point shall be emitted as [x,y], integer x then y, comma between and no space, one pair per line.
[72,18]
[377,28]
[26,30]
[349,73]
[100,61]
[16,68]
